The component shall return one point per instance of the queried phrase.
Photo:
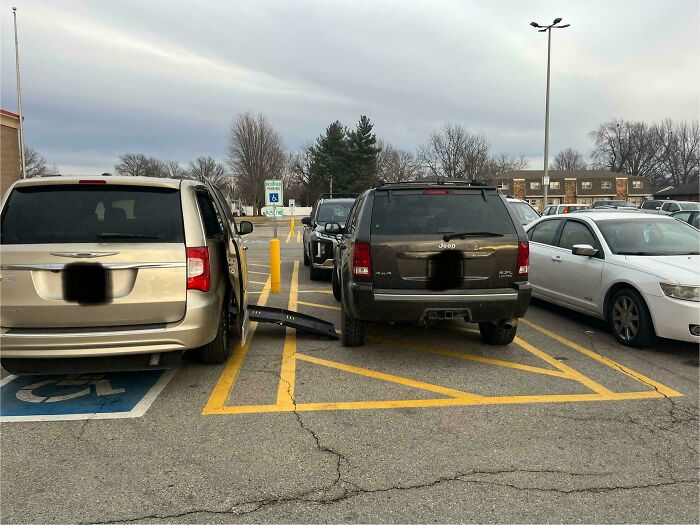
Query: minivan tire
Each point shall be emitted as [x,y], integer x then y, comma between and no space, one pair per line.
[353,330]
[336,286]
[629,299]
[493,334]
[218,350]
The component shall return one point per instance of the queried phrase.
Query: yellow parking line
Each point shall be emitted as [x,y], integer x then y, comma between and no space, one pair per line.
[388,377]
[298,237]
[316,305]
[259,273]
[223,387]
[285,389]
[316,291]
[662,389]
[289,236]
[256,282]
[472,357]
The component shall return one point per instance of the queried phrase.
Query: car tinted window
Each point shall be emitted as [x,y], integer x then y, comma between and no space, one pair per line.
[695,221]
[210,218]
[666,206]
[674,207]
[524,212]
[653,236]
[90,213]
[355,213]
[683,216]
[544,232]
[651,205]
[333,212]
[576,233]
[414,212]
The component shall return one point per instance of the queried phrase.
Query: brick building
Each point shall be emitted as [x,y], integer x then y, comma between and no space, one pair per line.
[9,150]
[568,187]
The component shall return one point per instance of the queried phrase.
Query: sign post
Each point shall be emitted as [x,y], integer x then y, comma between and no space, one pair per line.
[274,197]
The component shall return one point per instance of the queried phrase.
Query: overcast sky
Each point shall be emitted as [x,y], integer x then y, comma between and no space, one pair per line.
[165,78]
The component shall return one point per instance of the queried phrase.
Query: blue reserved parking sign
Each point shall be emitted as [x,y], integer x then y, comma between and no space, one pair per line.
[80,396]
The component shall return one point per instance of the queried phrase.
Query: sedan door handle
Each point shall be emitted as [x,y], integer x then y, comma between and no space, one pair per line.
[556,258]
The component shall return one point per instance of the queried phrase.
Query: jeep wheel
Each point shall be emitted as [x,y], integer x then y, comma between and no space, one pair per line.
[218,350]
[336,285]
[353,329]
[307,261]
[493,334]
[629,319]
[315,274]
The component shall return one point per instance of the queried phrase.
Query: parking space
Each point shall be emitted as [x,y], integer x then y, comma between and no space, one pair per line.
[420,424]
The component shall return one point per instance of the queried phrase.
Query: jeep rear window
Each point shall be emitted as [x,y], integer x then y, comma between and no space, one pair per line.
[92,213]
[413,212]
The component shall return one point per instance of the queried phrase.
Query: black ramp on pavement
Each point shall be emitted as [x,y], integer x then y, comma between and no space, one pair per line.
[296,320]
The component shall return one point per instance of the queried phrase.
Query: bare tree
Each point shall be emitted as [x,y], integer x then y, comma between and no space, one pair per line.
[36,164]
[397,165]
[173,168]
[254,154]
[498,164]
[627,147]
[569,160]
[453,152]
[679,154]
[138,165]
[206,168]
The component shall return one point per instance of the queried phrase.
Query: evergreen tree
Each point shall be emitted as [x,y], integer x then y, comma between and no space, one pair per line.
[363,151]
[330,160]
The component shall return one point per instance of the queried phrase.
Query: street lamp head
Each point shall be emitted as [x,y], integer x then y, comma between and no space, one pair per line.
[556,21]
[562,27]
[542,30]
[534,24]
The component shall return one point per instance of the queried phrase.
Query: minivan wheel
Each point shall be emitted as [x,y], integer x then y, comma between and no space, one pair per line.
[629,319]
[497,334]
[307,261]
[336,285]
[353,329]
[218,350]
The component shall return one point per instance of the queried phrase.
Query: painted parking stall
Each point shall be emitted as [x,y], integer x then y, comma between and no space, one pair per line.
[80,396]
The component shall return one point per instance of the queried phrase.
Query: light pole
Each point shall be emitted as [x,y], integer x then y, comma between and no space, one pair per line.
[19,101]
[548,30]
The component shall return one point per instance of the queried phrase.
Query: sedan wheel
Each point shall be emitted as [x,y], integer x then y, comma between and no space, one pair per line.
[629,319]
[625,318]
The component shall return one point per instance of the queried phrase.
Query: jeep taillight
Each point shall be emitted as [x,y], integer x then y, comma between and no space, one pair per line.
[198,273]
[361,264]
[523,259]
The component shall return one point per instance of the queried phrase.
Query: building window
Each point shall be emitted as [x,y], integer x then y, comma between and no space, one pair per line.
[554,185]
[503,185]
[534,185]
[637,184]
[586,185]
[606,185]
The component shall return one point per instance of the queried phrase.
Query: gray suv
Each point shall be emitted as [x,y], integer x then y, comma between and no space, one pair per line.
[428,251]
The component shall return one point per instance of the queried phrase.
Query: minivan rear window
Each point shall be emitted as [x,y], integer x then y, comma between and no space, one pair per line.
[92,213]
[455,211]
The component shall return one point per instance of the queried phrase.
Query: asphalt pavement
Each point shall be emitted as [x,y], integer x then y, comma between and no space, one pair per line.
[420,425]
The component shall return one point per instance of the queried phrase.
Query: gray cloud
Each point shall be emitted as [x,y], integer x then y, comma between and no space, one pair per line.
[166,78]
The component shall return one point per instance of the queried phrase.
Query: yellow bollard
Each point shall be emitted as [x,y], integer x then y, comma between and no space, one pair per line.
[275,280]
[291,224]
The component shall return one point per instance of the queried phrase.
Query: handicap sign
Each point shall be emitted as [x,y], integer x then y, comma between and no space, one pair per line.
[273,192]
[80,396]
[274,197]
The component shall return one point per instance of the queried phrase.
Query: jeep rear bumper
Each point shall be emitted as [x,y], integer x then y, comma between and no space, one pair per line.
[369,304]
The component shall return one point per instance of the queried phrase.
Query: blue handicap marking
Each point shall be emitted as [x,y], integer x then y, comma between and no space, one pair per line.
[274,197]
[80,396]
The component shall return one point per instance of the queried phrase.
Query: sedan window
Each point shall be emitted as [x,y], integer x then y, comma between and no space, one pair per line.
[576,233]
[545,231]
[650,237]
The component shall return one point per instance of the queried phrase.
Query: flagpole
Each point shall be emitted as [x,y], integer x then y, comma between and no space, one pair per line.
[19,101]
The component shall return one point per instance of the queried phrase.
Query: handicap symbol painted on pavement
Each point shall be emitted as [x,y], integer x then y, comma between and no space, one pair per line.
[80,396]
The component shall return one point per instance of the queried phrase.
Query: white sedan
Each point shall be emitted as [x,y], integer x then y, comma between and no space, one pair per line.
[640,272]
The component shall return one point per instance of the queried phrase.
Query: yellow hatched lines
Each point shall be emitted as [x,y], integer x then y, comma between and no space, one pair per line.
[286,401]
[290,237]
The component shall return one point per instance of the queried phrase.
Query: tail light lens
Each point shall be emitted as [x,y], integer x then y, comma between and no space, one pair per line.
[523,259]
[566,209]
[198,274]
[361,264]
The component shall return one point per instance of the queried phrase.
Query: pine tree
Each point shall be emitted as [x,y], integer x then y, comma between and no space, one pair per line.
[363,151]
[330,160]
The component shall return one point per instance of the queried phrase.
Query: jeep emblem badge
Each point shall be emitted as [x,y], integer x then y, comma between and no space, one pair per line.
[444,245]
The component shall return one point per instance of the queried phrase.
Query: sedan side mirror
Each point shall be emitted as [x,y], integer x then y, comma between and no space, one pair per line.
[306,220]
[333,228]
[245,227]
[585,250]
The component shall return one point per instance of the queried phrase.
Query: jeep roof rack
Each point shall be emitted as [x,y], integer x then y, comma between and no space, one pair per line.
[338,195]
[439,182]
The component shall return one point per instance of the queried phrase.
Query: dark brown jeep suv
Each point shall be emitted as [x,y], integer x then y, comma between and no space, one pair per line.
[431,250]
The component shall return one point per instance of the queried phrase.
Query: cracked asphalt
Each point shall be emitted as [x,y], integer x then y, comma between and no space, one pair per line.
[566,459]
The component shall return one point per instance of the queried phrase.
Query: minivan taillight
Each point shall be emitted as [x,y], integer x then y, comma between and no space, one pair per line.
[361,264]
[523,259]
[198,274]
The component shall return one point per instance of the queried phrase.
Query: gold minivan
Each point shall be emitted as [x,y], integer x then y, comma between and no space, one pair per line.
[114,273]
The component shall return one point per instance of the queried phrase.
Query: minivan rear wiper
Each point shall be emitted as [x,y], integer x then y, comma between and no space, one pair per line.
[462,235]
[126,236]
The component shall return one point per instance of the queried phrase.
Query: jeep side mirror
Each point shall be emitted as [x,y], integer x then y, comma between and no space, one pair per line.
[306,220]
[333,228]
[245,227]
[585,250]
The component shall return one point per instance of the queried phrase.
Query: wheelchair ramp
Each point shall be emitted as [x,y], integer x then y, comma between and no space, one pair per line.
[282,317]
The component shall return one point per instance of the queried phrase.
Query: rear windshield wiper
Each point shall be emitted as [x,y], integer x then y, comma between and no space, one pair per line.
[462,235]
[126,236]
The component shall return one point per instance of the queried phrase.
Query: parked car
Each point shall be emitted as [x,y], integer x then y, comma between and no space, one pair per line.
[119,273]
[319,245]
[691,217]
[637,271]
[610,203]
[426,251]
[669,207]
[523,211]
[556,209]
[651,206]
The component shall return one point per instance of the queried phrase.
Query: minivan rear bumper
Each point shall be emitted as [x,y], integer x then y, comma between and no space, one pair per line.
[369,304]
[196,328]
